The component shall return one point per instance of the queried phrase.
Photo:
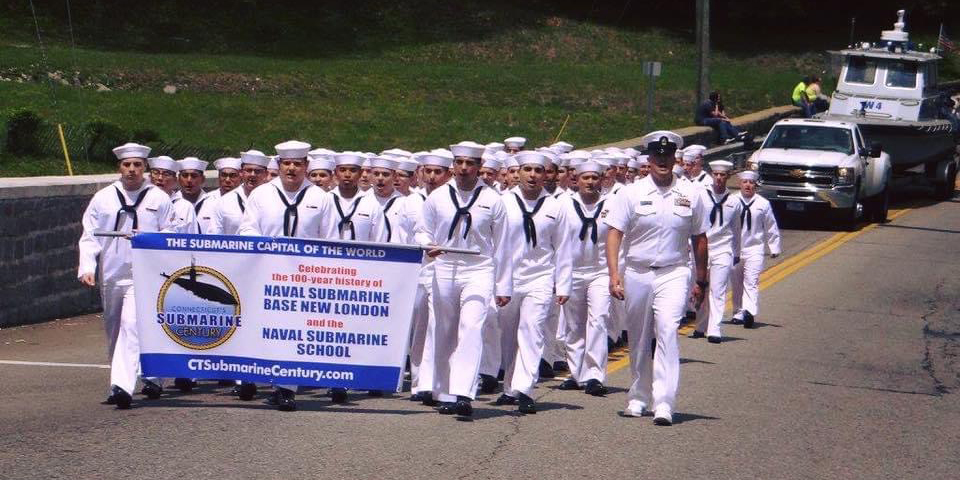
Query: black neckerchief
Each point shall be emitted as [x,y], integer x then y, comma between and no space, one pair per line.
[588,223]
[462,211]
[291,212]
[529,227]
[196,210]
[746,215]
[243,209]
[131,209]
[386,219]
[346,221]
[700,178]
[717,208]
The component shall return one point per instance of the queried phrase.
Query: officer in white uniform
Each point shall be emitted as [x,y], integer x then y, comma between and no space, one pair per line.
[435,172]
[464,214]
[723,244]
[758,228]
[586,312]
[163,174]
[129,204]
[654,219]
[541,266]
[232,205]
[289,206]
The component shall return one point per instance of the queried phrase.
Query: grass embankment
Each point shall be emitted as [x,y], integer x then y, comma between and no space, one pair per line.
[415,94]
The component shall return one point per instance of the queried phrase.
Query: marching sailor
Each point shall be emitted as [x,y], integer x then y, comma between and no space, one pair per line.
[406,177]
[191,191]
[464,214]
[654,221]
[723,249]
[585,313]
[128,205]
[163,174]
[758,228]
[228,175]
[514,144]
[320,169]
[541,266]
[230,208]
[490,170]
[289,206]
[693,166]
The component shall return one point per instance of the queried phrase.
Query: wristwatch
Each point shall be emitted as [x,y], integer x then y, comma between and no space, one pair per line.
[703,284]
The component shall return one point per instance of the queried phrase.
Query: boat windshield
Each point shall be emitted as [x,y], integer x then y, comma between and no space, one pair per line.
[810,137]
[902,75]
[861,70]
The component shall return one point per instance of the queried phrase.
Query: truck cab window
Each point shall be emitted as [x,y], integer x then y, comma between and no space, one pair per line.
[902,75]
[861,70]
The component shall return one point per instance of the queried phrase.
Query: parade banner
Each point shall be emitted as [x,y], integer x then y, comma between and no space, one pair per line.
[281,310]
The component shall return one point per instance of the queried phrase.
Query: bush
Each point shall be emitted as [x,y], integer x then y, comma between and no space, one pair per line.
[23,133]
[145,136]
[100,139]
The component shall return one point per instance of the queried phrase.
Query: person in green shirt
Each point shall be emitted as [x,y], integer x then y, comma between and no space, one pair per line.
[799,97]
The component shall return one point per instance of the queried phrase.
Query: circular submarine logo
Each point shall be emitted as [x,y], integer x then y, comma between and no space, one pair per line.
[198,307]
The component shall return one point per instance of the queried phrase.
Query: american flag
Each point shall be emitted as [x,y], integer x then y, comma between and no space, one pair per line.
[944,43]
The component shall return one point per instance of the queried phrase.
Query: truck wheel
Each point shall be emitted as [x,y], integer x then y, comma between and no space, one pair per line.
[847,217]
[944,191]
[880,206]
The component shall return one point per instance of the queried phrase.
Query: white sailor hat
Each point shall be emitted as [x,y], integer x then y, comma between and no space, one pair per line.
[435,160]
[274,163]
[590,166]
[631,151]
[530,157]
[320,152]
[383,162]
[443,152]
[192,163]
[131,150]
[678,170]
[467,149]
[292,149]
[515,142]
[510,162]
[605,160]
[564,160]
[749,175]
[493,147]
[396,152]
[491,161]
[690,153]
[349,158]
[407,164]
[720,166]
[366,162]
[632,163]
[255,157]
[322,162]
[552,157]
[643,160]
[164,162]
[621,158]
[564,147]
[613,150]
[227,162]
[577,157]
[662,142]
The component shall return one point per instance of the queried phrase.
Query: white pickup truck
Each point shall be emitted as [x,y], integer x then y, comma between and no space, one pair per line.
[810,166]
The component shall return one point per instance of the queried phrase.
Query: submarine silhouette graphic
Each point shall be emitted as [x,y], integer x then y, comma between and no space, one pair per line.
[203,290]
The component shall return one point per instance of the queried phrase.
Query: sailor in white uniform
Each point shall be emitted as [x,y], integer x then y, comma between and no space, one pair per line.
[435,172]
[383,172]
[586,312]
[232,205]
[758,228]
[407,177]
[723,247]
[514,144]
[490,170]
[163,174]
[191,180]
[464,214]
[289,206]
[492,357]
[228,175]
[693,166]
[654,220]
[554,354]
[541,277]
[320,171]
[127,205]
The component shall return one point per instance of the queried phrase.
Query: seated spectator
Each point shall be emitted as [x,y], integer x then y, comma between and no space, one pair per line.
[800,99]
[815,97]
[711,114]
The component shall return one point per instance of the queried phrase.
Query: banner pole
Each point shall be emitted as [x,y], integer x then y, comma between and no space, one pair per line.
[66,154]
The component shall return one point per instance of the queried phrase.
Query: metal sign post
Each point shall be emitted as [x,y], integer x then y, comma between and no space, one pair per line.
[652,71]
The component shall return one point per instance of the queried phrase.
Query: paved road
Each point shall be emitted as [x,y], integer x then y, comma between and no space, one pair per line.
[853,373]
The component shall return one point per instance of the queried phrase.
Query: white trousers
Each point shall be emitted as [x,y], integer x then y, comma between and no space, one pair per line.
[524,323]
[585,317]
[746,282]
[710,313]
[421,342]
[553,335]
[615,320]
[123,337]
[491,357]
[655,302]
[461,301]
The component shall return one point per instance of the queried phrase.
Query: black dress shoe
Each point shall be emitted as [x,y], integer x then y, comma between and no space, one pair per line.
[185,385]
[375,393]
[505,399]
[111,399]
[569,384]
[417,397]
[560,366]
[338,395]
[488,383]
[425,398]
[713,339]
[526,404]
[463,407]
[747,320]
[662,421]
[122,398]
[595,388]
[150,390]
[447,408]
[246,391]
[697,334]
[285,400]
[611,345]
[546,371]
[274,398]
[691,315]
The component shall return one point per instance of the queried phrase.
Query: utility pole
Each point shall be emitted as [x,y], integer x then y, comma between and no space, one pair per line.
[703,50]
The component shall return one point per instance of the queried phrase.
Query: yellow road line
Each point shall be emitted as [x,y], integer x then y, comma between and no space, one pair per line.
[619,359]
